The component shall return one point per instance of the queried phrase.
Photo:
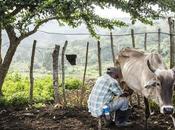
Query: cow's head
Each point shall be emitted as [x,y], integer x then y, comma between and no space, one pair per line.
[163,83]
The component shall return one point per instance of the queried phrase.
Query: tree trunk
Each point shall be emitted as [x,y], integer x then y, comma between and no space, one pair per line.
[4,67]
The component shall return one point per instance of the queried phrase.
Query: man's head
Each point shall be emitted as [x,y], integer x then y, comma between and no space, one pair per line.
[114,72]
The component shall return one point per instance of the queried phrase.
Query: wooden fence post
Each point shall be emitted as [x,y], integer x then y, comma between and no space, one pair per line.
[112,48]
[159,51]
[100,73]
[86,62]
[172,43]
[99,58]
[133,38]
[31,71]
[55,56]
[145,42]
[63,72]
[84,75]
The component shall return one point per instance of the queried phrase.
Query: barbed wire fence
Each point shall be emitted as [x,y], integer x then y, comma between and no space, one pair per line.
[140,42]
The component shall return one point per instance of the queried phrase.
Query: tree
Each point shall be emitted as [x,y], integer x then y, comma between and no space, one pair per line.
[22,18]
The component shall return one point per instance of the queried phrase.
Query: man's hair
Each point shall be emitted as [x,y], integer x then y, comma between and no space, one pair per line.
[111,70]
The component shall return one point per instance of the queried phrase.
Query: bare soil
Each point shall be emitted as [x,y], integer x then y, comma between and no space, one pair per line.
[50,118]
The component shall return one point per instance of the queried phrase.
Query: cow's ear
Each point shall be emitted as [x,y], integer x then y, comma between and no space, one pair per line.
[150,84]
[151,68]
[124,55]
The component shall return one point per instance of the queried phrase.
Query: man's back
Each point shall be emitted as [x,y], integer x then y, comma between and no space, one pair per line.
[103,91]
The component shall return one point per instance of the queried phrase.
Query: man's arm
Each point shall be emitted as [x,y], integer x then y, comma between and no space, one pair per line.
[116,89]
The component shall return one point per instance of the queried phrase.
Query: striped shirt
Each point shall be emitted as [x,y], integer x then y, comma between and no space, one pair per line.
[102,93]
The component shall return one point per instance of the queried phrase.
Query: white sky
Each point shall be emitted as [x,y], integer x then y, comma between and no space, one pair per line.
[106,13]
[110,13]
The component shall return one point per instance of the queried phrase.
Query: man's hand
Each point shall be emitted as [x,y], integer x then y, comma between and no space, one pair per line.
[124,94]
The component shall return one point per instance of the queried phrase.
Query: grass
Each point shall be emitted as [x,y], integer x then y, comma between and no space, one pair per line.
[16,89]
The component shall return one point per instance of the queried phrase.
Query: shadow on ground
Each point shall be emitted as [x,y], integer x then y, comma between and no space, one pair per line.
[50,118]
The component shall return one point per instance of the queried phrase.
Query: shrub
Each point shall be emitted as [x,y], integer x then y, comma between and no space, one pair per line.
[18,99]
[38,105]
[3,102]
[43,90]
[16,89]
[72,83]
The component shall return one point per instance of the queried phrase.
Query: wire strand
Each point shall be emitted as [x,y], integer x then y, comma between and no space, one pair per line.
[88,34]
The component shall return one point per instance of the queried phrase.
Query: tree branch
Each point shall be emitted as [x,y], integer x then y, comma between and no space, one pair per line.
[11,33]
[19,7]
[24,35]
[16,11]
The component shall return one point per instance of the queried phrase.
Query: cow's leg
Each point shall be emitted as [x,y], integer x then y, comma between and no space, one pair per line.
[138,99]
[147,112]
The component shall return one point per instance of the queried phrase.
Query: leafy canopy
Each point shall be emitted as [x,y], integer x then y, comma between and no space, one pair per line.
[25,16]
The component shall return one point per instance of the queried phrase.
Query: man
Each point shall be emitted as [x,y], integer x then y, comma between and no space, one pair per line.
[101,101]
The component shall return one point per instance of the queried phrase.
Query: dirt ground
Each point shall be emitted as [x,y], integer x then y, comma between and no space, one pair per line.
[50,118]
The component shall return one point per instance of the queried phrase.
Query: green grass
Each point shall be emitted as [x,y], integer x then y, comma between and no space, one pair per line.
[16,89]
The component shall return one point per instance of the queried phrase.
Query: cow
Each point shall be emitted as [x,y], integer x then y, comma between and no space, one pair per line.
[147,75]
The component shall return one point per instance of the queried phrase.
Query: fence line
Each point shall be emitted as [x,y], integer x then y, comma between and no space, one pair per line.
[88,34]
[145,40]
[127,34]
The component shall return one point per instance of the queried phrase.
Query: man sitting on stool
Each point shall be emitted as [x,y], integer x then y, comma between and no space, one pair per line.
[101,102]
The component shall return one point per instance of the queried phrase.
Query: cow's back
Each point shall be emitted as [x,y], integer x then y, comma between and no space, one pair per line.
[134,68]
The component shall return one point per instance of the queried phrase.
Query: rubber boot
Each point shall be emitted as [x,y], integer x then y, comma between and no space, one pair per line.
[121,118]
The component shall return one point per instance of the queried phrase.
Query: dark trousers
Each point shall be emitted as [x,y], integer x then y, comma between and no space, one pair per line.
[117,117]
[121,116]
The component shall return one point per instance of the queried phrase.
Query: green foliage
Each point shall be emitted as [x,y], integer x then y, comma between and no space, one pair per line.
[15,82]
[21,14]
[3,102]
[43,90]
[72,83]
[16,90]
[18,99]
[154,106]
[38,105]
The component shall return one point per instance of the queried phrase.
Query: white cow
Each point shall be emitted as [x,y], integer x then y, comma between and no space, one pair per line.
[147,75]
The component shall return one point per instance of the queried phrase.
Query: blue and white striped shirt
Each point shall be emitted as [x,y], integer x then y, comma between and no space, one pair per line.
[102,93]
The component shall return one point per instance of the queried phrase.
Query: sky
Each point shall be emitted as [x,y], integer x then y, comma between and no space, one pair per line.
[110,12]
